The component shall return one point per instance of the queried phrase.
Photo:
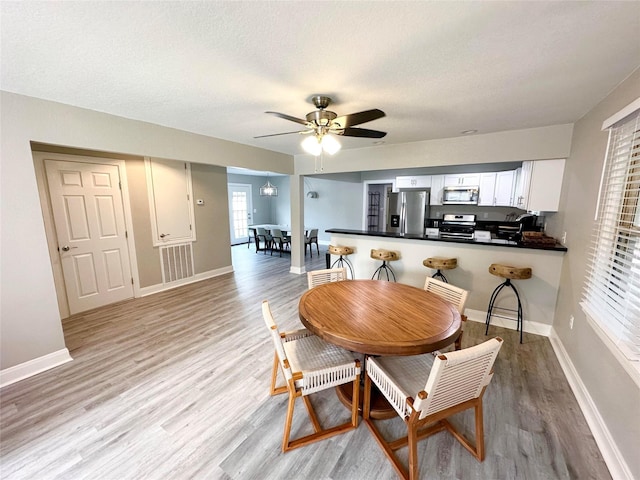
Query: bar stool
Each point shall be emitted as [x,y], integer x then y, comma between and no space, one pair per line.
[385,256]
[508,273]
[342,261]
[440,263]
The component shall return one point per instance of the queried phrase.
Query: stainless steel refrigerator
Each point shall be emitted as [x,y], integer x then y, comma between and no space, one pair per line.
[408,212]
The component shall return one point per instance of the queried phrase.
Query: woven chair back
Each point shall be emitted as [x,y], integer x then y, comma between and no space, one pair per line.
[457,377]
[450,293]
[277,340]
[319,277]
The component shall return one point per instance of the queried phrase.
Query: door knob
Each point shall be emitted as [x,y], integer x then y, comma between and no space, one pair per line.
[66,248]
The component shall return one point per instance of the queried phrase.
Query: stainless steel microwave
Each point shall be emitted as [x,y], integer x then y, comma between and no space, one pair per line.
[460,195]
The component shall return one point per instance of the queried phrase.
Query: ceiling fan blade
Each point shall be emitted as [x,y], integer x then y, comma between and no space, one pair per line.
[285,133]
[361,132]
[358,118]
[289,117]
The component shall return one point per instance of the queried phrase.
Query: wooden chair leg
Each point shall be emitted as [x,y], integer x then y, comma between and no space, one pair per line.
[287,422]
[354,402]
[274,376]
[479,431]
[458,342]
[413,451]
[366,399]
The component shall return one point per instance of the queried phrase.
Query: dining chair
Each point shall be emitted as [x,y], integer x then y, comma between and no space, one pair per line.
[452,294]
[425,390]
[280,241]
[309,240]
[266,238]
[318,277]
[310,365]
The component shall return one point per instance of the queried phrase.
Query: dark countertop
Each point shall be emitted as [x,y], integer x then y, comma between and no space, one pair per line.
[494,241]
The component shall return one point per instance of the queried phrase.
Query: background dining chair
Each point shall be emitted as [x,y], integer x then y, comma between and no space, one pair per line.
[452,294]
[441,386]
[267,239]
[280,241]
[309,365]
[310,239]
[318,277]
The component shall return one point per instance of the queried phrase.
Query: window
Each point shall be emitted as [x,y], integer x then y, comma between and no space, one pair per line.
[612,290]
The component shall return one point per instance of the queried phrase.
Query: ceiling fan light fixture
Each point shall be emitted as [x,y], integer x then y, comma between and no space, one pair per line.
[268,190]
[321,143]
[312,145]
[330,144]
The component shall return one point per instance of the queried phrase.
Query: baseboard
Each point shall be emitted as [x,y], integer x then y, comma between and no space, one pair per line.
[613,458]
[33,367]
[198,277]
[536,328]
[298,270]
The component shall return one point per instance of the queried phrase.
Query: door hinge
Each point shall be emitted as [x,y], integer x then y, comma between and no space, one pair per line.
[120,185]
[131,280]
[190,227]
[126,234]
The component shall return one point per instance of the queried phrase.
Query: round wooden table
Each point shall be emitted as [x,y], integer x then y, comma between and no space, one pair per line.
[379,318]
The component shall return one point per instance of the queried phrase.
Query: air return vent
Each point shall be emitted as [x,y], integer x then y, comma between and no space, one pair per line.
[177,262]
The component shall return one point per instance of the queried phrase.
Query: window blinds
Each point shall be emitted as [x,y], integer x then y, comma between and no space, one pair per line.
[612,289]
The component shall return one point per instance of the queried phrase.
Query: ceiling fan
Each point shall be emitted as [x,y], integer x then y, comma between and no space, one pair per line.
[321,121]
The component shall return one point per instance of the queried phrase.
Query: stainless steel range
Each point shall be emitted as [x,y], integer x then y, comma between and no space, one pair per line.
[458,226]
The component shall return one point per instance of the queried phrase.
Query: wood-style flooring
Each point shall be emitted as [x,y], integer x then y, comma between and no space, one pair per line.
[175,386]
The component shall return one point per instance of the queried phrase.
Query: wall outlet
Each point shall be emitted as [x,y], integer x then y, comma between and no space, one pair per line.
[485,215]
[563,240]
[571,322]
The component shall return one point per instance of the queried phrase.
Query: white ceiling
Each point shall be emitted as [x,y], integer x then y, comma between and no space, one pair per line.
[214,68]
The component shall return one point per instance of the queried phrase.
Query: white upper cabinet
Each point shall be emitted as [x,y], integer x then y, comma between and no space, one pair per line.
[538,185]
[503,195]
[169,187]
[464,179]
[437,184]
[486,194]
[416,181]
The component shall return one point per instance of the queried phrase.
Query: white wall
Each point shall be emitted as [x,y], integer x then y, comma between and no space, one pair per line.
[614,394]
[29,321]
[512,146]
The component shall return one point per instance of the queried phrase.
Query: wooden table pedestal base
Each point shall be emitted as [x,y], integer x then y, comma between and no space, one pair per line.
[380,408]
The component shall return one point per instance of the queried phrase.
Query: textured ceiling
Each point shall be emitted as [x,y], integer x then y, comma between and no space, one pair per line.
[214,68]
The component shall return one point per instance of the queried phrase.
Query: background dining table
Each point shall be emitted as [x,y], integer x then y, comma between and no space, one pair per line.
[376,317]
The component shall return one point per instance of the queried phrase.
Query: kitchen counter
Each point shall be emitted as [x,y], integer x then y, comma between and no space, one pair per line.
[494,241]
[538,294]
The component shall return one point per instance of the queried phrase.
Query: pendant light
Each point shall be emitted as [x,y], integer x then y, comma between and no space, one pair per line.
[268,190]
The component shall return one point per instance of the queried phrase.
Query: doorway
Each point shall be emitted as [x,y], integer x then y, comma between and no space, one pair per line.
[375,208]
[240,212]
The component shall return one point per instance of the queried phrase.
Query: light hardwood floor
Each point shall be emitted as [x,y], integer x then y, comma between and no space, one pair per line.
[175,386]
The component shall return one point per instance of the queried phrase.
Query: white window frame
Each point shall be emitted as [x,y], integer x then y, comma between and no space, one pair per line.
[615,322]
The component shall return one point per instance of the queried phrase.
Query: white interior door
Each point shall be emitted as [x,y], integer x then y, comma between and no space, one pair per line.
[240,212]
[89,218]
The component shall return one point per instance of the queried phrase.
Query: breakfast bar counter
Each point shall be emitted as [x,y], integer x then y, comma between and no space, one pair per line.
[436,238]
[538,294]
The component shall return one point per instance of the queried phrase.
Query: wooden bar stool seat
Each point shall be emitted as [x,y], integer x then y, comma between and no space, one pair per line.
[342,252]
[385,256]
[439,264]
[509,273]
